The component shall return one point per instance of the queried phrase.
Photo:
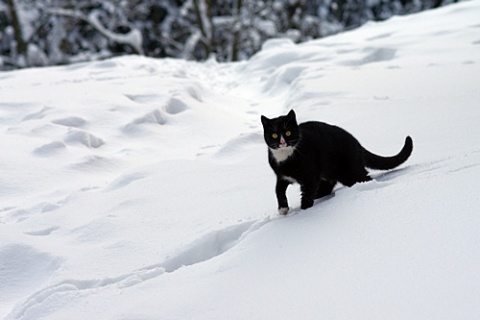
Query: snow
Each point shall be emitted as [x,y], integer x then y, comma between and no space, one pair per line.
[137,188]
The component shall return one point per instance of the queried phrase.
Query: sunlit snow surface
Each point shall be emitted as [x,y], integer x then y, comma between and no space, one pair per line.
[137,188]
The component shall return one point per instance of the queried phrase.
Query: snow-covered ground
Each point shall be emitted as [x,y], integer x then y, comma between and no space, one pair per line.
[136,188]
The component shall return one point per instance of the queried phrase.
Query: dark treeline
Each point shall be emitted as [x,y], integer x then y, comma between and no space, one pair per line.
[51,32]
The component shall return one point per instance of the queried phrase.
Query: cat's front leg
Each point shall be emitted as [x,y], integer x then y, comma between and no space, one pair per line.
[281,191]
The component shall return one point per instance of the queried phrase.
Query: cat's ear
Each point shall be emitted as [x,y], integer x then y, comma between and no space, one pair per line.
[291,115]
[264,120]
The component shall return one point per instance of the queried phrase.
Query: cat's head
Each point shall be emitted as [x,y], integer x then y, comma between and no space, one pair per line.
[281,132]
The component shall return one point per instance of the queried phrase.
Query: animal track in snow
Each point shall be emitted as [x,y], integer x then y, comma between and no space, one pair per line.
[43,232]
[231,148]
[372,55]
[36,115]
[85,138]
[93,163]
[125,180]
[175,105]
[380,54]
[371,185]
[390,175]
[50,148]
[285,74]
[203,249]
[427,170]
[154,117]
[24,268]
[16,215]
[143,98]
[70,122]
[465,162]
[211,245]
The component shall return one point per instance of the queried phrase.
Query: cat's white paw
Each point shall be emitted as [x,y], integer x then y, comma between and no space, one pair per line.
[283,211]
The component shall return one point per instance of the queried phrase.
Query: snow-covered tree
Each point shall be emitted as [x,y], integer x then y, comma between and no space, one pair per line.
[49,32]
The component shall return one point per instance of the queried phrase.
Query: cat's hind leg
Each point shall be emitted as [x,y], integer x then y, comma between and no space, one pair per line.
[365,178]
[324,188]
[362,175]
[350,178]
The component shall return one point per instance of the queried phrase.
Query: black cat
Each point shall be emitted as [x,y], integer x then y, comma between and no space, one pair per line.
[317,156]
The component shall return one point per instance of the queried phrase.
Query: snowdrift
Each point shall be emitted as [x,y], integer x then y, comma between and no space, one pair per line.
[135,188]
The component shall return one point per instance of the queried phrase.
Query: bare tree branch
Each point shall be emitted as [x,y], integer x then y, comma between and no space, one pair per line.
[133,38]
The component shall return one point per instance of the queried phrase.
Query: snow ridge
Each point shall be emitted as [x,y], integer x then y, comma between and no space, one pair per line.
[201,250]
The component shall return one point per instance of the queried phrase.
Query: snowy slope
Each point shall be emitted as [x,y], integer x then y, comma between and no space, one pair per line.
[136,188]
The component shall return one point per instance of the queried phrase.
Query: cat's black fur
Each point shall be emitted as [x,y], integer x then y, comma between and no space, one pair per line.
[317,156]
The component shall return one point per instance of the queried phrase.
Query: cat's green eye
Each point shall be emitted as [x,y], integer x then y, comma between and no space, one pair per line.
[288,133]
[274,135]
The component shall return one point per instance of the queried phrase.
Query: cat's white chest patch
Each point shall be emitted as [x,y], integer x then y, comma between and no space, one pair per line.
[290,179]
[282,154]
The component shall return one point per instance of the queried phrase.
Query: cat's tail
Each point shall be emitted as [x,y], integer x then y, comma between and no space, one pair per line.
[373,161]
